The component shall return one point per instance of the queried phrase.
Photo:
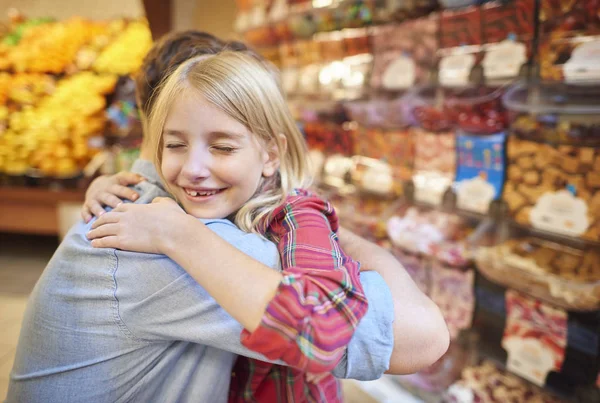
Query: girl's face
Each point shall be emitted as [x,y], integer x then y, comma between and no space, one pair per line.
[212,163]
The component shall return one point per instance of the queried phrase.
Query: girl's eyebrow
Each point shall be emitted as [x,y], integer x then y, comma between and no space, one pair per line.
[177,133]
[228,135]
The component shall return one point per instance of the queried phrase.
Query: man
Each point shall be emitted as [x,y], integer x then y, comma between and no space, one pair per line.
[108,325]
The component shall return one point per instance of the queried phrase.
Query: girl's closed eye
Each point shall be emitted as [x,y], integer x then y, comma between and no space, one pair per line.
[225,149]
[173,145]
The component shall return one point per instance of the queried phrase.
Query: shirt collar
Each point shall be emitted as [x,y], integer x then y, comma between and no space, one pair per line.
[148,171]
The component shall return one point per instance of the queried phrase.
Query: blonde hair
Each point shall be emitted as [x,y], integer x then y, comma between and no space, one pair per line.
[245,89]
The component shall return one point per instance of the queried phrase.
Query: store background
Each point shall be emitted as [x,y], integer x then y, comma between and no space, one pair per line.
[446,166]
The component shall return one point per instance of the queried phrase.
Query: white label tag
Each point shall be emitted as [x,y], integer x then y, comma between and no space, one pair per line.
[528,358]
[430,186]
[584,64]
[560,212]
[475,195]
[504,60]
[378,179]
[455,69]
[399,74]
[461,393]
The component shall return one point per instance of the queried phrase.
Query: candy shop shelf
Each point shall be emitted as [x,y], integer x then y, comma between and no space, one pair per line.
[34,210]
[298,10]
[563,276]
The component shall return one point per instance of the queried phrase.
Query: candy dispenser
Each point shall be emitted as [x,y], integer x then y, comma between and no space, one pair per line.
[535,337]
[434,139]
[476,110]
[553,177]
[508,32]
[569,42]
[461,47]
[566,276]
[404,54]
[452,291]
[402,10]
[486,382]
[435,165]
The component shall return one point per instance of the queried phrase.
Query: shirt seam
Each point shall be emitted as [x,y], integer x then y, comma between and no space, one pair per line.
[116,306]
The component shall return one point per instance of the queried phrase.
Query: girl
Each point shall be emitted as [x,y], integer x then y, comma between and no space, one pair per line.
[227,147]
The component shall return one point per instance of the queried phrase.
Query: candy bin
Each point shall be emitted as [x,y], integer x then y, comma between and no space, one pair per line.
[560,16]
[460,52]
[565,275]
[535,337]
[402,10]
[508,32]
[329,137]
[476,110]
[431,233]
[573,59]
[363,213]
[445,242]
[404,54]
[435,165]
[382,139]
[569,42]
[481,120]
[553,176]
[480,171]
[488,383]
[434,139]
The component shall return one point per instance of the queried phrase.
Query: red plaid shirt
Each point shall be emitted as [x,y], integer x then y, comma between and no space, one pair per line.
[312,318]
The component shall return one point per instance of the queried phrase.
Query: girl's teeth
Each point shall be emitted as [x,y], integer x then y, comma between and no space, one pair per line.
[194,193]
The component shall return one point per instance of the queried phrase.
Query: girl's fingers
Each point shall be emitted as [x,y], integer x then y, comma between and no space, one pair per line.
[103,231]
[107,242]
[95,208]
[109,199]
[123,192]
[107,218]
[85,214]
[128,178]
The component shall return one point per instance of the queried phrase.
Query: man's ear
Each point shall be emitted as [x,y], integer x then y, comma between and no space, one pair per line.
[272,157]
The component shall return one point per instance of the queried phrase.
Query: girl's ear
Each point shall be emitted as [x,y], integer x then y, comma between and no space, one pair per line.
[272,156]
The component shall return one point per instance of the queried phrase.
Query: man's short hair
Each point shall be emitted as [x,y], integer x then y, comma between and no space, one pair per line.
[175,48]
[168,53]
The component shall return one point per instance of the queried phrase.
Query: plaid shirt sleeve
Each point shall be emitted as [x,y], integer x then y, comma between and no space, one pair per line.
[320,300]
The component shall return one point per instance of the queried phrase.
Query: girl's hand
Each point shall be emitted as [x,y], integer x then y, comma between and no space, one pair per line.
[108,190]
[144,228]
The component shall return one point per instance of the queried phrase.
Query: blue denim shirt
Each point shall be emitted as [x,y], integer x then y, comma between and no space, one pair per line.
[104,325]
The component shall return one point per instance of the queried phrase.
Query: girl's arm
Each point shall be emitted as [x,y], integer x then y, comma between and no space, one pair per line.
[304,316]
[420,333]
[320,301]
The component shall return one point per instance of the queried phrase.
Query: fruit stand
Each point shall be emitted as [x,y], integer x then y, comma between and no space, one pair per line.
[61,111]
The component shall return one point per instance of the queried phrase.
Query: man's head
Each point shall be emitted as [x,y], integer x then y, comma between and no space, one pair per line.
[171,51]
[165,56]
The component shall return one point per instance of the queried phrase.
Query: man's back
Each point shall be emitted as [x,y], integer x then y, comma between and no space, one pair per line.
[73,311]
[108,326]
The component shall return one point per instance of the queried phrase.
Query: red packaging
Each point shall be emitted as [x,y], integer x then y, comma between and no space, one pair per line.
[331,138]
[515,19]
[461,27]
[535,337]
[562,16]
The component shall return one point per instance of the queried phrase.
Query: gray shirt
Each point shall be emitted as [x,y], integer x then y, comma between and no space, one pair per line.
[104,325]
